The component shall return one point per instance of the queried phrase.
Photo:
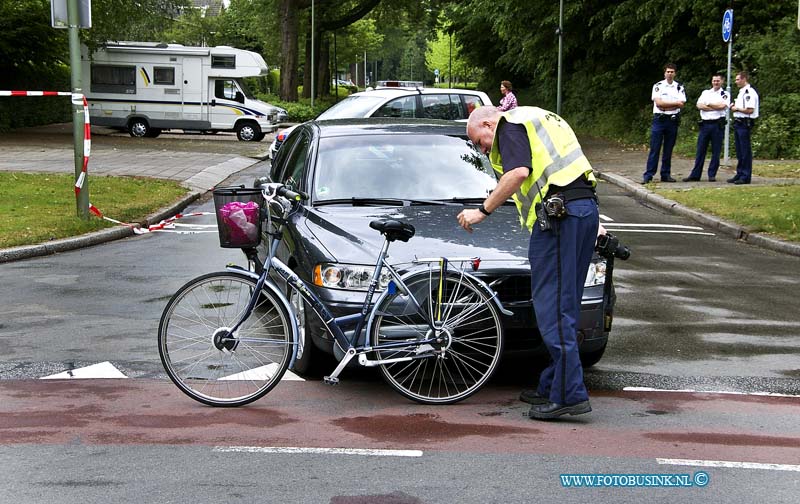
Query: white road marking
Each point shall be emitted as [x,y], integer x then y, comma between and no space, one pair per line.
[101,370]
[725,463]
[693,391]
[318,451]
[660,231]
[606,218]
[262,373]
[178,224]
[673,226]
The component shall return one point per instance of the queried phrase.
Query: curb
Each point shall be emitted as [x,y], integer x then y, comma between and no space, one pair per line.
[735,231]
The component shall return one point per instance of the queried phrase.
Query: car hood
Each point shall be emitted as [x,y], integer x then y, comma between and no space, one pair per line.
[344,230]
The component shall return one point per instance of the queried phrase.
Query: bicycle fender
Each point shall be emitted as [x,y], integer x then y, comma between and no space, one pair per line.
[490,293]
[270,286]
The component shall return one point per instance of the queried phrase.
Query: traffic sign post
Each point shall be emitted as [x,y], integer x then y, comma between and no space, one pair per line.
[727,36]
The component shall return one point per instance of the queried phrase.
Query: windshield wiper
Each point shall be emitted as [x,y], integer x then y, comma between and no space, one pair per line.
[379,202]
[457,199]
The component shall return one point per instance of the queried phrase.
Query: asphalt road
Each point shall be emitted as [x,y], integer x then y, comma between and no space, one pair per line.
[695,311]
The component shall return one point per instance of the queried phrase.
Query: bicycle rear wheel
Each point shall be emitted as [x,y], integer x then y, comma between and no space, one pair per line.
[470,338]
[206,361]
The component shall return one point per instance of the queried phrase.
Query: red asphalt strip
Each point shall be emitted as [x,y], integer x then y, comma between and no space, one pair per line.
[372,416]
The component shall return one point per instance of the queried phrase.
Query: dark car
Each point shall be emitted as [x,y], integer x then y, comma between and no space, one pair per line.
[423,173]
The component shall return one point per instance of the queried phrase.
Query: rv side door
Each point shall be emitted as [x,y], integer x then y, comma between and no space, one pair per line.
[226,103]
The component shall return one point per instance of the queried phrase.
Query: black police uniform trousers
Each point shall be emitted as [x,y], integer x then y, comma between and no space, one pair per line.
[664,130]
[744,151]
[711,132]
[559,261]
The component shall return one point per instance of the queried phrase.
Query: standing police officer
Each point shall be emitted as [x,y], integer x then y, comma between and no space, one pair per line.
[668,97]
[537,158]
[745,111]
[712,104]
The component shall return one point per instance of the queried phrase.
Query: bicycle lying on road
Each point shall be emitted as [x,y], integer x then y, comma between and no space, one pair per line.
[227,338]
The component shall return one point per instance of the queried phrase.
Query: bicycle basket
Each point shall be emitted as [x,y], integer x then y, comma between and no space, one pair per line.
[238,211]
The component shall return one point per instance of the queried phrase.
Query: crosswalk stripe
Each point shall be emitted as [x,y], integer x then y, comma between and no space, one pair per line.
[100,370]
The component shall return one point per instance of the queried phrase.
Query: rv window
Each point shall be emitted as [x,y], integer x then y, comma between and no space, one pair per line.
[164,75]
[113,79]
[227,90]
[223,61]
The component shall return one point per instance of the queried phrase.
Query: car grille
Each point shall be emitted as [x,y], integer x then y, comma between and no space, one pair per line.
[510,289]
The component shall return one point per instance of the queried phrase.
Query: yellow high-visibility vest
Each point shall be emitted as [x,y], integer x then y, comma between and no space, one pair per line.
[556,157]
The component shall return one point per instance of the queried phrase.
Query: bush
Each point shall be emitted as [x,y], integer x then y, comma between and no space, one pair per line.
[777,134]
[299,111]
[21,112]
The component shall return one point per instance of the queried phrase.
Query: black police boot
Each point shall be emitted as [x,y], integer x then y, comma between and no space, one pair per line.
[551,410]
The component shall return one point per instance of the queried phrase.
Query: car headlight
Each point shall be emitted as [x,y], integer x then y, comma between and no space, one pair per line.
[348,276]
[596,274]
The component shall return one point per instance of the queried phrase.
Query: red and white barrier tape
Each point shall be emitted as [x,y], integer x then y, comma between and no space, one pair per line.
[164,224]
[77,99]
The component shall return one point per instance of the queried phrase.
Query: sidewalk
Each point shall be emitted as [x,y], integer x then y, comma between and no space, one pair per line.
[49,149]
[624,166]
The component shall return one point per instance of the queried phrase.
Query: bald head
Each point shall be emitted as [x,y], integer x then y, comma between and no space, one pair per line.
[481,126]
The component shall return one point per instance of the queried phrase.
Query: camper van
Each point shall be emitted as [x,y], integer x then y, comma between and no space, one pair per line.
[144,88]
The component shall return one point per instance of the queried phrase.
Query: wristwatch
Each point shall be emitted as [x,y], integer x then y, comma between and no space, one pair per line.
[482,209]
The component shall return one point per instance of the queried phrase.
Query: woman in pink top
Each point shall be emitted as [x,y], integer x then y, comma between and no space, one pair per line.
[508,101]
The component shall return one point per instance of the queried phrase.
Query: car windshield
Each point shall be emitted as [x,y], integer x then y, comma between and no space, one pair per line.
[352,106]
[401,166]
[245,89]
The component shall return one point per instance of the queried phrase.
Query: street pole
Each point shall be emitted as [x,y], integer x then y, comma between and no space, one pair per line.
[312,53]
[82,196]
[728,110]
[560,49]
[450,65]
[335,68]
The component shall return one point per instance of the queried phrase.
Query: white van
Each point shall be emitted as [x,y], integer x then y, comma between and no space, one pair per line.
[145,87]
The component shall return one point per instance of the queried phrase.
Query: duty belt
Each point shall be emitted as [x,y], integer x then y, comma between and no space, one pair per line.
[578,193]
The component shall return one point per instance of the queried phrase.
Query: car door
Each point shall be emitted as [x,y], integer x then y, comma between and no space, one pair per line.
[227,103]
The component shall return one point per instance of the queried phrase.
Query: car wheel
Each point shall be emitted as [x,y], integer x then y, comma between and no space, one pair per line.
[259,137]
[138,128]
[153,132]
[589,359]
[310,361]
[247,131]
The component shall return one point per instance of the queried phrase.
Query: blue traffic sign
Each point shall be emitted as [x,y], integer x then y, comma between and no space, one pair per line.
[727,25]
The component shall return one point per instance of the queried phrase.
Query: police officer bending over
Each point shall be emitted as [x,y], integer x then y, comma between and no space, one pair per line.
[712,105]
[539,162]
[745,112]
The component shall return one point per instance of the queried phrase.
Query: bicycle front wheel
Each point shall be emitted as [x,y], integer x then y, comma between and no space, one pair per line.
[208,362]
[468,331]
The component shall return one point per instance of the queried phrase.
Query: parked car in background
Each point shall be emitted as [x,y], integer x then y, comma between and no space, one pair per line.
[423,172]
[400,102]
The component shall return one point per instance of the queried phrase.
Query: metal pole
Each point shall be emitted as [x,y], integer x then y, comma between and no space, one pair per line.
[82,196]
[335,68]
[727,110]
[450,64]
[560,50]
[365,68]
[312,53]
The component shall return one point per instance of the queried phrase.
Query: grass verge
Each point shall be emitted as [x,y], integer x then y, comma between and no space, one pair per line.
[36,208]
[764,209]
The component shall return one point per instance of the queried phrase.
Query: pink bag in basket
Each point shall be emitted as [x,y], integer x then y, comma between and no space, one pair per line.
[241,219]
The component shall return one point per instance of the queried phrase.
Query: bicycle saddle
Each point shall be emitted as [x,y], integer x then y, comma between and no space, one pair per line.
[393,229]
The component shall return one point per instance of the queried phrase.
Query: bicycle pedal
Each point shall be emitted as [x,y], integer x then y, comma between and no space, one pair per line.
[329,380]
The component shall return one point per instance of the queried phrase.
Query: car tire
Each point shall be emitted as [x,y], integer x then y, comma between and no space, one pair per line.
[153,132]
[589,359]
[313,363]
[260,137]
[138,128]
[248,131]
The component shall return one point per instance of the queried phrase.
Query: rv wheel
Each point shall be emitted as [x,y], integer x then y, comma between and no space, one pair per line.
[138,128]
[248,131]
